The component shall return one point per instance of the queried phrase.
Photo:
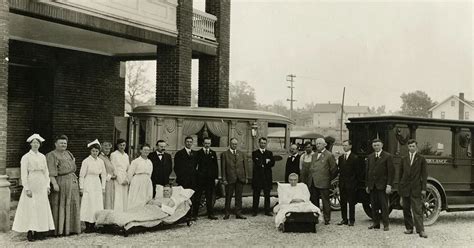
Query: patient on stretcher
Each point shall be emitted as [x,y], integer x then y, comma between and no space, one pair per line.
[168,206]
[293,197]
[166,203]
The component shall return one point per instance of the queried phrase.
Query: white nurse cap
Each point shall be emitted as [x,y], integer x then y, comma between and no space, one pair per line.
[35,136]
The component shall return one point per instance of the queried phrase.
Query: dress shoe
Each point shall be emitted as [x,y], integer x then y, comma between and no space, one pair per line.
[226,217]
[351,223]
[386,228]
[30,236]
[423,235]
[374,227]
[408,232]
[326,222]
[343,222]
[212,217]
[254,214]
[268,214]
[240,217]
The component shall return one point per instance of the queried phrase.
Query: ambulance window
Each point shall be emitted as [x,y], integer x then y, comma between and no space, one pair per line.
[434,141]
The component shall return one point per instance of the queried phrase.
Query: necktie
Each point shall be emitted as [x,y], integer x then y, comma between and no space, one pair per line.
[207,152]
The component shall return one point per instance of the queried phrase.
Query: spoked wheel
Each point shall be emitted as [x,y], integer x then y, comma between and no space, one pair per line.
[334,195]
[431,205]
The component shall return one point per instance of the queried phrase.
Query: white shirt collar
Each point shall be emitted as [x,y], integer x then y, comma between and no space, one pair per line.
[348,153]
[412,153]
[232,151]
[262,150]
[187,150]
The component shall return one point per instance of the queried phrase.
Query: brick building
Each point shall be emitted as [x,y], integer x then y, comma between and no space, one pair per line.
[61,69]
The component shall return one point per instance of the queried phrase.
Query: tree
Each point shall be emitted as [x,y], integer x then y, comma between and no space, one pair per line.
[138,88]
[380,110]
[242,96]
[194,97]
[416,104]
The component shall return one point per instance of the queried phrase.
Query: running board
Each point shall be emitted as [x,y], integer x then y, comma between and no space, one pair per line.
[463,207]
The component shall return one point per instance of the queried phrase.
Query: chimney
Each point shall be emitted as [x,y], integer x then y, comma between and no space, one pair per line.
[461,106]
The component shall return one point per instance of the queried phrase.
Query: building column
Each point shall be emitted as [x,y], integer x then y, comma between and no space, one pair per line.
[173,63]
[4,184]
[214,70]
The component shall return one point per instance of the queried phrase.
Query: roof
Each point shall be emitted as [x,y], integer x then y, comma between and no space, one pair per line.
[466,102]
[356,109]
[218,113]
[411,120]
[296,134]
[335,107]
[327,107]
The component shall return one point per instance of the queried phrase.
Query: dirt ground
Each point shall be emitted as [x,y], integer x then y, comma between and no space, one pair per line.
[451,230]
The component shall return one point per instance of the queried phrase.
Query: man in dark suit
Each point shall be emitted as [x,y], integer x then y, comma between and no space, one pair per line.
[318,175]
[263,162]
[234,176]
[348,164]
[162,165]
[206,177]
[412,186]
[292,162]
[379,180]
[185,165]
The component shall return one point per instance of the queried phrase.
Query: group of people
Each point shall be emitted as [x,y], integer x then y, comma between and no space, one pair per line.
[318,168]
[107,180]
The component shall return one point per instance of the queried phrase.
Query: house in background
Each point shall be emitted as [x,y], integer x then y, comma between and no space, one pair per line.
[454,108]
[326,118]
[328,115]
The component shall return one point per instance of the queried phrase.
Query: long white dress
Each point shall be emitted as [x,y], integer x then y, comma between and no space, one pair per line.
[34,213]
[92,186]
[141,187]
[121,163]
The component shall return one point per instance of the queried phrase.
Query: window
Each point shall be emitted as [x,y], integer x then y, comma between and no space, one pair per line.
[442,115]
[466,116]
[434,141]
[276,143]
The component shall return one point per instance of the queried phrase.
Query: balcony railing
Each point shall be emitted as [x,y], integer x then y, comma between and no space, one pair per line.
[204,25]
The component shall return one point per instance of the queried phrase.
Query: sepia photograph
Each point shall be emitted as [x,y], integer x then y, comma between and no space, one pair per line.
[236,123]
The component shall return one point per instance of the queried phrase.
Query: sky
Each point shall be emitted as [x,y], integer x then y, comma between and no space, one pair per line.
[376,49]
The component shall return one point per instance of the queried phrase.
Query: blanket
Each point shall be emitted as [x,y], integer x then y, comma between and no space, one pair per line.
[149,215]
[287,193]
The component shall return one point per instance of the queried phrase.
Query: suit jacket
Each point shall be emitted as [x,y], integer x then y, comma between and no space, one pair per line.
[262,170]
[380,172]
[161,168]
[412,177]
[234,167]
[207,168]
[292,166]
[185,168]
[349,171]
[321,171]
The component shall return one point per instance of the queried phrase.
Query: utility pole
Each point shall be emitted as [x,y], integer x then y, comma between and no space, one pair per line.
[291,78]
[342,111]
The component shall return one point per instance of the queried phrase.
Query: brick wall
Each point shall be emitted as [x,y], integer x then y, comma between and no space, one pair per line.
[173,63]
[3,83]
[214,70]
[59,91]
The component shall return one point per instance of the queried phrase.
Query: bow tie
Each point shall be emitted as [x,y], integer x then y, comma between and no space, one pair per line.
[160,154]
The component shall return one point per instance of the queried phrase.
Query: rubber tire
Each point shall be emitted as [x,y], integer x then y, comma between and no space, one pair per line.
[434,197]
[334,195]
